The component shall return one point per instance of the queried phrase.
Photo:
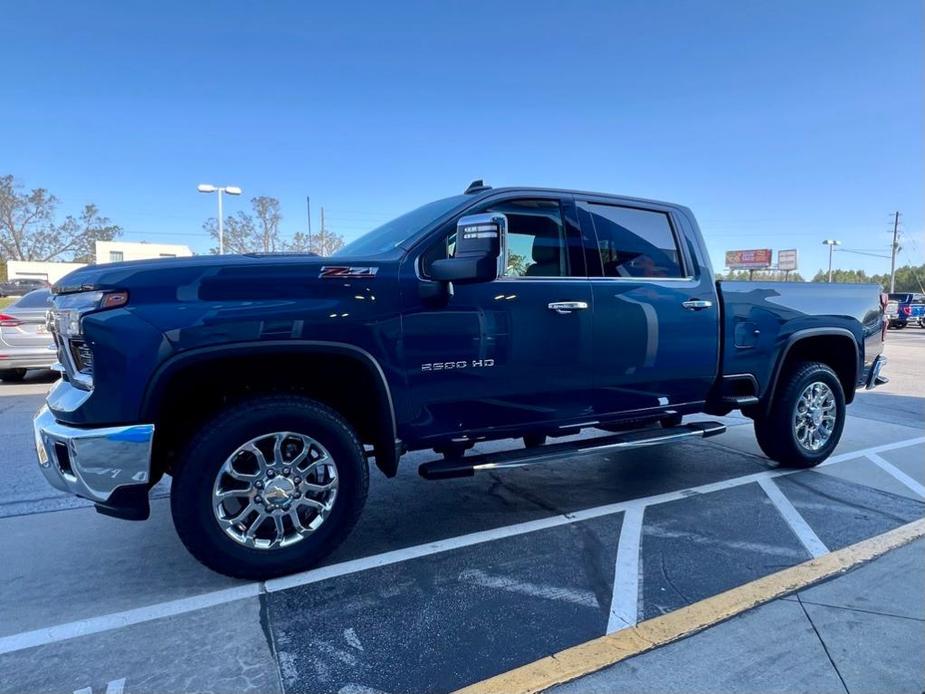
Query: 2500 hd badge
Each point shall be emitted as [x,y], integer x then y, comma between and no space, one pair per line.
[464,364]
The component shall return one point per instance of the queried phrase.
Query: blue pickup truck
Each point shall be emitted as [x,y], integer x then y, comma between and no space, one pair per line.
[905,308]
[265,384]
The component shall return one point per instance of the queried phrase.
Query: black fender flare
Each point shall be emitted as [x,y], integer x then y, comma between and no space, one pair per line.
[387,450]
[799,336]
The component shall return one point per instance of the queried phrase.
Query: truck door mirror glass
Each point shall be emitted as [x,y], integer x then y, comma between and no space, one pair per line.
[479,240]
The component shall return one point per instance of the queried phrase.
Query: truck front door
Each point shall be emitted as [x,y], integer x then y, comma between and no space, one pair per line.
[512,352]
[656,318]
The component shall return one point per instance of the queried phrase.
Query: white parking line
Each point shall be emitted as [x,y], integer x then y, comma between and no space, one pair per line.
[797,523]
[891,469]
[585,598]
[624,605]
[113,687]
[116,620]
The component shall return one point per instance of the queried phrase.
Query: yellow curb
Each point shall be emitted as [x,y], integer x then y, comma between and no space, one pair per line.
[605,651]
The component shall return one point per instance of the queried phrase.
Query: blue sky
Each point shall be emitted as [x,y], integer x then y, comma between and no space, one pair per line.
[780,123]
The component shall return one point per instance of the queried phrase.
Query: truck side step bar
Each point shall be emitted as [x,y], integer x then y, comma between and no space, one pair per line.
[468,466]
[738,401]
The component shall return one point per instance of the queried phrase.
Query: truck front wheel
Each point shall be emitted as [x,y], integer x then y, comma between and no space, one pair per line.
[806,418]
[269,486]
[12,375]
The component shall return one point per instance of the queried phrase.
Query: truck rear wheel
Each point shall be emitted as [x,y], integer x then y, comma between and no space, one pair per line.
[806,418]
[269,486]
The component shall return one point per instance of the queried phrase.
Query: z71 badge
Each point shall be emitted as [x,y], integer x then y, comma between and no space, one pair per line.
[347,272]
[455,365]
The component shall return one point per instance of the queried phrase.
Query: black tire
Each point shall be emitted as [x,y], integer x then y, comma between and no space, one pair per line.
[775,430]
[191,490]
[534,440]
[12,375]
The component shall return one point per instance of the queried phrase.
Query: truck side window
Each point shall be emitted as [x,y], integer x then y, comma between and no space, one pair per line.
[536,244]
[635,243]
[536,241]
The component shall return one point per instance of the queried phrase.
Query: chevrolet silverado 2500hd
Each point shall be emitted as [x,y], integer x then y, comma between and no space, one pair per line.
[263,384]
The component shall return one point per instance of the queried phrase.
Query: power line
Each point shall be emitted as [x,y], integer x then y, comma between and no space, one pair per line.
[850,250]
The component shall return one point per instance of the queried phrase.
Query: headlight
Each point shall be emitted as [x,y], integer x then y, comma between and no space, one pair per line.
[68,310]
[66,322]
[65,317]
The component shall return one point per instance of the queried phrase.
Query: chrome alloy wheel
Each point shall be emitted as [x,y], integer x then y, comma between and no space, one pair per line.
[814,416]
[275,490]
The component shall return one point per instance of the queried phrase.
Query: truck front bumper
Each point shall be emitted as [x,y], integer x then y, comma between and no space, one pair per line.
[110,466]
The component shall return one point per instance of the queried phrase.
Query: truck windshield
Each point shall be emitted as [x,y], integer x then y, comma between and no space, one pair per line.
[386,237]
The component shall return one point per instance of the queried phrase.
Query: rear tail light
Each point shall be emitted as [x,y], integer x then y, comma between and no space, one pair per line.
[7,321]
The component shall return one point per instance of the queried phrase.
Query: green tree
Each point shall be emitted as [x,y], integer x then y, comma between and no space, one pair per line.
[324,243]
[28,230]
[250,233]
[516,265]
[761,275]
[909,278]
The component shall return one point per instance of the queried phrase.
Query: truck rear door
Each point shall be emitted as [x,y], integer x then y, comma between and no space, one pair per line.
[656,318]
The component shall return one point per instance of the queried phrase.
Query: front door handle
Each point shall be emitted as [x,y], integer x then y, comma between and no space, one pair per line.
[566,307]
[697,304]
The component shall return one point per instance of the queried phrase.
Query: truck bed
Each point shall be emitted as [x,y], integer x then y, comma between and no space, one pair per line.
[760,319]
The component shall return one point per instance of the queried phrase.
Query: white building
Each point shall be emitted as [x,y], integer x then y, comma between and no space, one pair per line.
[117,251]
[35,270]
[106,252]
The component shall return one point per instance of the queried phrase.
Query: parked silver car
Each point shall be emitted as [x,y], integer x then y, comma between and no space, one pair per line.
[25,342]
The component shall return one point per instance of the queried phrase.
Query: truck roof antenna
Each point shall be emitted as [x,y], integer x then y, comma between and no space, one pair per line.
[477,186]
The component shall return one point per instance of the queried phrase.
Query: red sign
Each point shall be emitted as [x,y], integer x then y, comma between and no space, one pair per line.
[749,260]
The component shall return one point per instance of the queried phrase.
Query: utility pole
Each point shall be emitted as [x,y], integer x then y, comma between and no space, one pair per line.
[831,243]
[308,207]
[893,250]
[321,234]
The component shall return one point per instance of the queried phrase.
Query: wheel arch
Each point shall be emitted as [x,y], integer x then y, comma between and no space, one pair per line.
[835,347]
[373,416]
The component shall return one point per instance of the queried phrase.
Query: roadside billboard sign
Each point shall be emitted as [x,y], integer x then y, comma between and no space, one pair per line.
[754,259]
[787,260]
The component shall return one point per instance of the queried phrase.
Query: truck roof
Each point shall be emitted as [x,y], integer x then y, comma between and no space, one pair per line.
[487,191]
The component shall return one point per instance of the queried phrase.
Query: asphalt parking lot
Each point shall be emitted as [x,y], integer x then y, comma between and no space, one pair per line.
[445,584]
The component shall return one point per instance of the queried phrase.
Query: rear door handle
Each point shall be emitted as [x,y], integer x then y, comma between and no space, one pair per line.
[566,307]
[697,304]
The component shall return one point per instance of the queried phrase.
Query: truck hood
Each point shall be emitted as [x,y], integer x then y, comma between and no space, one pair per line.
[210,269]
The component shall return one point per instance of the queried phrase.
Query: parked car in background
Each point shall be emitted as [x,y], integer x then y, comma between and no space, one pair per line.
[21,287]
[25,342]
[903,308]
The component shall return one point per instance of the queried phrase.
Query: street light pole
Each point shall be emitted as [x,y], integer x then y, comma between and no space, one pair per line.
[221,229]
[221,190]
[831,243]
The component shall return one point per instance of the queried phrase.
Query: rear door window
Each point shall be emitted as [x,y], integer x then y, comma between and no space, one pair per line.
[634,242]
